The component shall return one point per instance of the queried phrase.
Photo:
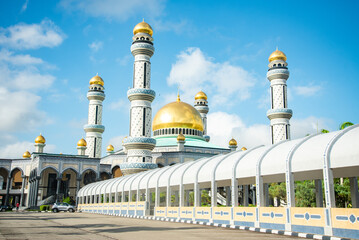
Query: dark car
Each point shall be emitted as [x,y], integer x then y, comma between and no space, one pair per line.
[4,208]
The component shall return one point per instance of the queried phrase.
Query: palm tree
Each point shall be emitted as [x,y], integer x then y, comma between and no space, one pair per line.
[345,124]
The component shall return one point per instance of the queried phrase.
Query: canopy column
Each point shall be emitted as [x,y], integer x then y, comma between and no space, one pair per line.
[245,195]
[318,193]
[228,196]
[354,191]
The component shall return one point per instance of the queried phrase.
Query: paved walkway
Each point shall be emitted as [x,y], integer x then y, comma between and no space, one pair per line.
[51,226]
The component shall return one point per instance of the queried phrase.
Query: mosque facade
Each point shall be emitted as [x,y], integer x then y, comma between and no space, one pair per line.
[177,133]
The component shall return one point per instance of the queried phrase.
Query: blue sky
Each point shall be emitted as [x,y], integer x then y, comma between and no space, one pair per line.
[49,50]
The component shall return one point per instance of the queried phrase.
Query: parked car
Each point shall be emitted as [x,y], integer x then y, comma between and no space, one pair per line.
[4,208]
[63,207]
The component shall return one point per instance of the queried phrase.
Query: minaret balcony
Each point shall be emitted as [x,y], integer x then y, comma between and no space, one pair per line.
[139,143]
[96,95]
[141,94]
[279,113]
[276,73]
[201,108]
[142,48]
[94,128]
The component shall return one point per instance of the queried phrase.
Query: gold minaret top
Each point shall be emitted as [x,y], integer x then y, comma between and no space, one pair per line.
[143,27]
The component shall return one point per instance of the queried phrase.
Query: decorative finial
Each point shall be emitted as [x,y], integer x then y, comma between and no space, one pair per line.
[96,74]
[276,48]
[143,19]
[178,94]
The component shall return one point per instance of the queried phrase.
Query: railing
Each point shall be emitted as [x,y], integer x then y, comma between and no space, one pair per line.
[325,221]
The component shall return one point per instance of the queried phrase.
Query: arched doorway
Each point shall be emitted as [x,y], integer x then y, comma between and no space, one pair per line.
[16,185]
[68,184]
[48,183]
[116,172]
[88,176]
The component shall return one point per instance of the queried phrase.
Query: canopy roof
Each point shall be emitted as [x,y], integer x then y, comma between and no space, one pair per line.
[304,158]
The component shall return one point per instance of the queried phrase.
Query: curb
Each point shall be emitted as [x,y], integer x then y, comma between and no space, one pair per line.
[253,229]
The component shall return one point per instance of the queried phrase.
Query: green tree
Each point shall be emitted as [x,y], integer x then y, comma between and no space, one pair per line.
[342,192]
[324,131]
[305,193]
[278,190]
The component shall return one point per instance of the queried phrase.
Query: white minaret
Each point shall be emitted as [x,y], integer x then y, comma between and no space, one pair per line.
[201,105]
[233,145]
[40,144]
[279,114]
[81,147]
[94,127]
[139,144]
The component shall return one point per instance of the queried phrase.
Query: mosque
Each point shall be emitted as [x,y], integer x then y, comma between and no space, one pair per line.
[166,159]
[179,134]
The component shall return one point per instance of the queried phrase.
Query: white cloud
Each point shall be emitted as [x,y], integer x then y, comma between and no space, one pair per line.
[223,126]
[220,127]
[193,71]
[16,149]
[310,125]
[307,91]
[116,9]
[20,73]
[19,59]
[32,36]
[19,111]
[96,45]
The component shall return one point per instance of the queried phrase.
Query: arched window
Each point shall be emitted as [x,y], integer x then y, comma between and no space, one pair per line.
[173,131]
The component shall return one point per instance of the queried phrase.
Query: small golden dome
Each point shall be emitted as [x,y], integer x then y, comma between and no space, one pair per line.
[82,143]
[181,137]
[110,148]
[244,149]
[143,27]
[177,115]
[277,55]
[97,80]
[200,95]
[26,154]
[40,139]
[233,142]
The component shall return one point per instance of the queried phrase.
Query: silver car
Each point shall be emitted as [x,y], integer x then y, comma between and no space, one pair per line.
[63,207]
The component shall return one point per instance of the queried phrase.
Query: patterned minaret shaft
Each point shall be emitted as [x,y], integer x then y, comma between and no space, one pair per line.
[201,104]
[139,144]
[279,114]
[94,127]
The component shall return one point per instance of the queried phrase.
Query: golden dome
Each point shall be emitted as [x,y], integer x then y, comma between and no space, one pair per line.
[82,143]
[244,148]
[96,80]
[177,115]
[26,154]
[233,142]
[143,27]
[200,95]
[40,139]
[277,55]
[181,137]
[110,148]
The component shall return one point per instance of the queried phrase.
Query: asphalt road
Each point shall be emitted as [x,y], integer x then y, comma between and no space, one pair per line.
[51,226]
